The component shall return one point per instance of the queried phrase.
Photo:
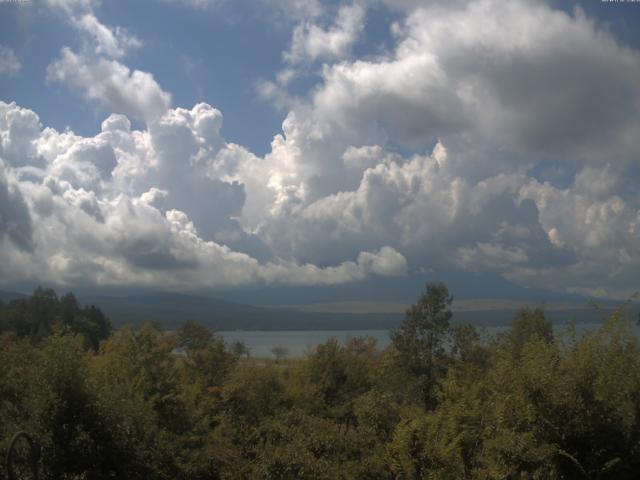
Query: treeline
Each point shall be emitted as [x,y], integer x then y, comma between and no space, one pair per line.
[440,402]
[43,313]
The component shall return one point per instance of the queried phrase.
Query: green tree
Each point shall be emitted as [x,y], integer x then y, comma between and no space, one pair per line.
[39,315]
[34,316]
[420,340]
[280,352]
[206,354]
[338,374]
[527,325]
[138,388]
[193,336]
[240,349]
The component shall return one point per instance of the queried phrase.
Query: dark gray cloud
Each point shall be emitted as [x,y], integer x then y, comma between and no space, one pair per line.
[15,220]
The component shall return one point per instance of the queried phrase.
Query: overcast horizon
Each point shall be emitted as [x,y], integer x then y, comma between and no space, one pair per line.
[212,145]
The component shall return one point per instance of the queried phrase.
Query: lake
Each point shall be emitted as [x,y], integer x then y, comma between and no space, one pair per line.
[299,342]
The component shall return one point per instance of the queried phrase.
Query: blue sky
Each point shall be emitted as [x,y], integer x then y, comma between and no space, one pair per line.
[217,54]
[194,55]
[212,144]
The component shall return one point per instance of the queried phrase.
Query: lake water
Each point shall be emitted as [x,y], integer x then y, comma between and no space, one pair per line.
[297,342]
[300,342]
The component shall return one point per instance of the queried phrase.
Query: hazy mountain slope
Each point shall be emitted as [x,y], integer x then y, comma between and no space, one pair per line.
[171,309]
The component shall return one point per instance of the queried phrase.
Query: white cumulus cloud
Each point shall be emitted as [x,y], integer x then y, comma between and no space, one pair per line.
[311,42]
[87,213]
[112,84]
[433,154]
[111,42]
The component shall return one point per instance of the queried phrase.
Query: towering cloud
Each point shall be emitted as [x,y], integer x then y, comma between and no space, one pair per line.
[91,210]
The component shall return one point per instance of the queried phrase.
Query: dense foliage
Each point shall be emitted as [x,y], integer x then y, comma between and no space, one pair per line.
[441,401]
[43,313]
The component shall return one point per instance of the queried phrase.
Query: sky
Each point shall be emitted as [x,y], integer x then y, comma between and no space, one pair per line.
[207,145]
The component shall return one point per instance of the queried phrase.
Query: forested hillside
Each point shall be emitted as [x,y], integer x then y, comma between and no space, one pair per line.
[441,401]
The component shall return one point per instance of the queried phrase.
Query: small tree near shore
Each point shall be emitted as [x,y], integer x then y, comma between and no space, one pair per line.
[279,351]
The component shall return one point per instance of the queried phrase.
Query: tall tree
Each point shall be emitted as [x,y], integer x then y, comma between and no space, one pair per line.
[527,325]
[420,339]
